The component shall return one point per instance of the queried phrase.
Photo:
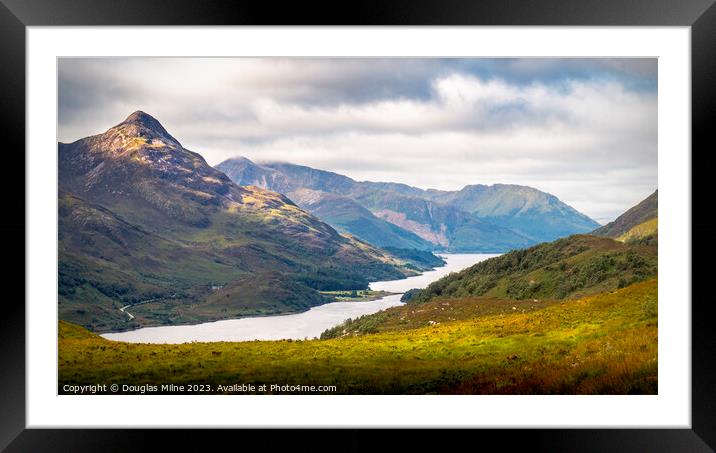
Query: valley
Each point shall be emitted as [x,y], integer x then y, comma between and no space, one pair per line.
[141,218]
[575,316]
[173,272]
[298,325]
[603,344]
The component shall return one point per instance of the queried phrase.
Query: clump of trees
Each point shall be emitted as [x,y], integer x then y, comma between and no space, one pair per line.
[552,270]
[410,295]
[359,326]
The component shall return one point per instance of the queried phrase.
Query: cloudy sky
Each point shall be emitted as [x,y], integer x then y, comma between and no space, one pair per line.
[584,130]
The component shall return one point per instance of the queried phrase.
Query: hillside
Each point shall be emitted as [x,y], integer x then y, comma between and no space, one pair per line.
[567,268]
[446,226]
[647,209]
[143,220]
[324,195]
[603,344]
[644,233]
[348,216]
[575,316]
[475,219]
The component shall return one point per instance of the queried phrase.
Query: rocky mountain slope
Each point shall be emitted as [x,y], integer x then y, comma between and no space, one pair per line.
[144,221]
[477,218]
[347,215]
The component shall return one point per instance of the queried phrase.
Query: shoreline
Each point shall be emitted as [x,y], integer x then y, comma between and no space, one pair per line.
[392,293]
[277,315]
[386,294]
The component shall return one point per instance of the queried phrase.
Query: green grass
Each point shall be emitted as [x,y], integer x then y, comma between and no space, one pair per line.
[642,231]
[603,344]
[409,316]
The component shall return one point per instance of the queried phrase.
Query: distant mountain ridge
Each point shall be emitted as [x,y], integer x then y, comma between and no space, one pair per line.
[328,203]
[146,223]
[477,218]
[528,211]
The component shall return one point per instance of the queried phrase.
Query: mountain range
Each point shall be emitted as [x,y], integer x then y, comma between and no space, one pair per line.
[146,223]
[477,218]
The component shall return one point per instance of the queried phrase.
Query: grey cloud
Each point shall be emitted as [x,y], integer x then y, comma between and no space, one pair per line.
[583,129]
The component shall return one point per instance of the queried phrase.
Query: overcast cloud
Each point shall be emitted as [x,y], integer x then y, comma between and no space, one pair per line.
[584,130]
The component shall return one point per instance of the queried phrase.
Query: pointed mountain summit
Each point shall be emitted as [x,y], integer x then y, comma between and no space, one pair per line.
[139,159]
[141,124]
[143,118]
[139,130]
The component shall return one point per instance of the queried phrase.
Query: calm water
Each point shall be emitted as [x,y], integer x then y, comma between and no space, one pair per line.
[308,324]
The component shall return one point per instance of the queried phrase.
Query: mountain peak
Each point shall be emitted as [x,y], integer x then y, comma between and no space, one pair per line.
[237,160]
[140,117]
[142,124]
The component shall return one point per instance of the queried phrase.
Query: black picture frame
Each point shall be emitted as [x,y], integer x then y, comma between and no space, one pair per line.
[16,15]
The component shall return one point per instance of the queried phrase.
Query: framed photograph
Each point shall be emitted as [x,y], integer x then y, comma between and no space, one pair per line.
[235,222]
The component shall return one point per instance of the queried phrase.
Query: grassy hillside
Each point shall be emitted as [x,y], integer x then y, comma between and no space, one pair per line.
[645,232]
[603,344]
[106,263]
[410,316]
[421,260]
[567,268]
[647,209]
